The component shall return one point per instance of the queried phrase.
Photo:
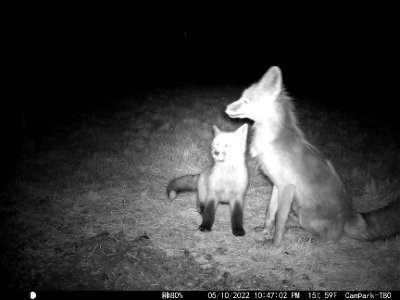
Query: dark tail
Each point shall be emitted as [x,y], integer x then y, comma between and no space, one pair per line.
[378,224]
[184,183]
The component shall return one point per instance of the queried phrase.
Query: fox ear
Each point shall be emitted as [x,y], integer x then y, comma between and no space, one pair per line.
[242,130]
[216,130]
[272,81]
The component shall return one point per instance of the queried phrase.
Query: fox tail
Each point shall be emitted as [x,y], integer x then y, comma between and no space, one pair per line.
[184,183]
[377,224]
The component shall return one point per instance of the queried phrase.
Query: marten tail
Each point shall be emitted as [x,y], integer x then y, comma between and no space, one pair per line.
[184,183]
[378,224]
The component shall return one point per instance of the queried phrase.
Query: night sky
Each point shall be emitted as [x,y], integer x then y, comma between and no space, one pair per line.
[339,61]
[62,63]
[332,60]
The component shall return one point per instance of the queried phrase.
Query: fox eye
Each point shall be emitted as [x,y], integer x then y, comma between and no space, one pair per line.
[246,100]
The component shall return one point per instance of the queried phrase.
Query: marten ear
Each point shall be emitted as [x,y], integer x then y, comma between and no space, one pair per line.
[216,130]
[242,131]
[272,81]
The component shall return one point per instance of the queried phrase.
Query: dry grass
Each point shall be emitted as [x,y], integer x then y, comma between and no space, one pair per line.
[109,173]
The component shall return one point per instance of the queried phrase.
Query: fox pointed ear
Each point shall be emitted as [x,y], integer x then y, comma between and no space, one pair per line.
[216,130]
[272,81]
[242,130]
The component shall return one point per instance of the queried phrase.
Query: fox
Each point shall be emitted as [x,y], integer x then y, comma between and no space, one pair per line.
[303,180]
[224,182]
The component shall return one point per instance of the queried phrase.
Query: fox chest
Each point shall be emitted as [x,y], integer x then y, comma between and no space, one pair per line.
[274,164]
[270,165]
[225,184]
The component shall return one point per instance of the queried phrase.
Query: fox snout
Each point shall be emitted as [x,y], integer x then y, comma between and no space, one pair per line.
[218,155]
[237,109]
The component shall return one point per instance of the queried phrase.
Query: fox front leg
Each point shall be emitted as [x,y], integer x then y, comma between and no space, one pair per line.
[286,196]
[208,211]
[269,215]
[237,219]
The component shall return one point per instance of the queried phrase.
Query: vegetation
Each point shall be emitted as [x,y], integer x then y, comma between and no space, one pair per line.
[87,208]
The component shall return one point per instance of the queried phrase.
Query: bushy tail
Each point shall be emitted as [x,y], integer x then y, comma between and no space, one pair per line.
[378,224]
[182,184]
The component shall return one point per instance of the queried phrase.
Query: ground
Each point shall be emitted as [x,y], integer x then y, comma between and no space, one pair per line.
[87,209]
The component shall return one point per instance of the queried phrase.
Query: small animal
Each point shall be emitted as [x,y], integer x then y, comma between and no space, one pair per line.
[224,182]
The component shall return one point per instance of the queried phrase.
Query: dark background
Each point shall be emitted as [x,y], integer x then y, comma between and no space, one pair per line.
[62,62]
[347,62]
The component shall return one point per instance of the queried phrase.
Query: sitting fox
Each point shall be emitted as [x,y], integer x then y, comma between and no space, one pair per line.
[225,182]
[302,178]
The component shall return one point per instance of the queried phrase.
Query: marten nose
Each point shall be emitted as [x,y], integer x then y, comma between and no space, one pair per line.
[216,152]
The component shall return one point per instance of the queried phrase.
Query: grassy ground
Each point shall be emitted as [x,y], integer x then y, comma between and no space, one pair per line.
[88,209]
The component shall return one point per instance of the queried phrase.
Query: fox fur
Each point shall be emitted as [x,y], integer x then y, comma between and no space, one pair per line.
[224,182]
[303,180]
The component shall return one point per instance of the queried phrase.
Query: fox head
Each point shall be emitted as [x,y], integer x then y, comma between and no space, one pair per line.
[229,147]
[259,100]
